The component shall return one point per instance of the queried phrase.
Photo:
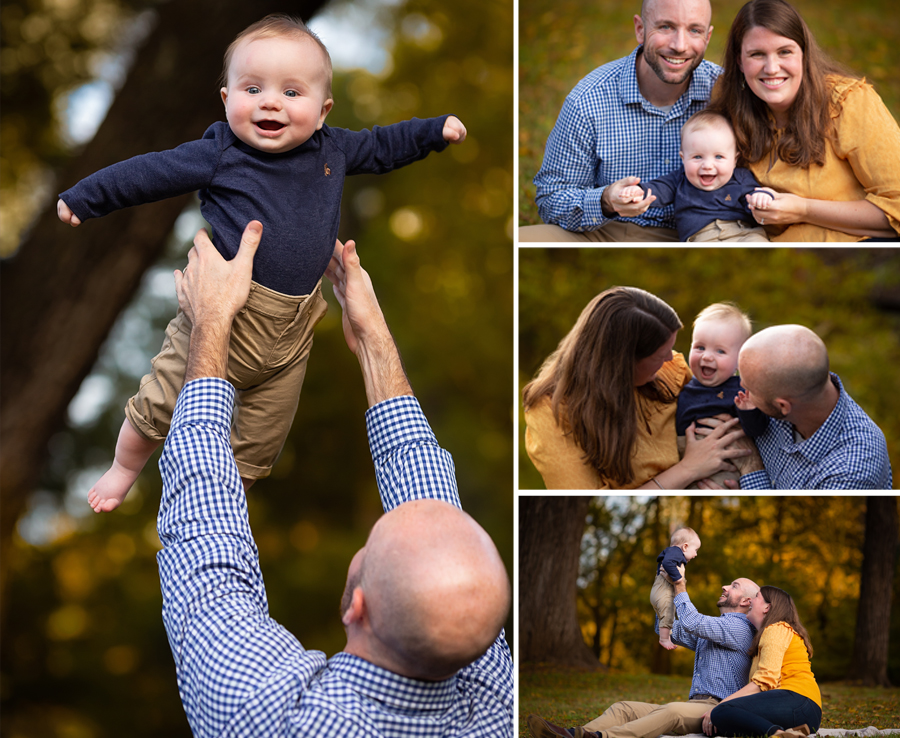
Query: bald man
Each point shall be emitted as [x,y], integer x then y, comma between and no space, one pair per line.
[817,436]
[721,667]
[425,598]
[625,119]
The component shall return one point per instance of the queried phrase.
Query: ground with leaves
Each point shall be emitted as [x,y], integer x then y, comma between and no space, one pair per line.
[568,697]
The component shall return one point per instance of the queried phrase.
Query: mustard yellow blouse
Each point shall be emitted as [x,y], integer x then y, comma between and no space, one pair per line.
[862,164]
[561,461]
[783,663]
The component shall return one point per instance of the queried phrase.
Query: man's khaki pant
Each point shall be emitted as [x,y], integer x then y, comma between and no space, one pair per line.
[643,720]
[612,231]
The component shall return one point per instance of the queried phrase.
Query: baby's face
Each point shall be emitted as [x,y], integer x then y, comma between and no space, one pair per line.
[690,549]
[715,347]
[276,96]
[709,154]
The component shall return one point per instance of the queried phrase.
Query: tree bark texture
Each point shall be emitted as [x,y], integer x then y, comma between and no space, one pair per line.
[873,618]
[550,531]
[62,292]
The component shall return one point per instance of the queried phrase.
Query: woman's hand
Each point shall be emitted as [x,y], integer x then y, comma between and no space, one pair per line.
[782,209]
[712,454]
[708,727]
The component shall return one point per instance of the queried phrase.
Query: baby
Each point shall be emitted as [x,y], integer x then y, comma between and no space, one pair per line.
[684,546]
[719,332]
[711,195]
[277,162]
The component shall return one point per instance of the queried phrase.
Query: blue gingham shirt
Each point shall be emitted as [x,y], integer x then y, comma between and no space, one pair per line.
[242,674]
[847,452]
[606,131]
[720,644]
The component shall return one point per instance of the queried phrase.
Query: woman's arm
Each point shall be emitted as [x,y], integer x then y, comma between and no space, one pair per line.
[856,217]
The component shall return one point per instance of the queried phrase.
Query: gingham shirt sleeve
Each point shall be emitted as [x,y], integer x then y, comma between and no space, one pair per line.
[238,670]
[723,631]
[756,480]
[409,463]
[567,193]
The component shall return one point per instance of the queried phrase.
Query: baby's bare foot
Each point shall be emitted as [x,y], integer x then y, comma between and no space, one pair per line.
[111,488]
[667,644]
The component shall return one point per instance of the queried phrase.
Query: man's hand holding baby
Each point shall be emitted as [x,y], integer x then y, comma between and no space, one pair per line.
[625,199]
[454,130]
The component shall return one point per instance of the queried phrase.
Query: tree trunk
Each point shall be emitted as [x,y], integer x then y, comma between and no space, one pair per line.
[63,290]
[873,618]
[550,531]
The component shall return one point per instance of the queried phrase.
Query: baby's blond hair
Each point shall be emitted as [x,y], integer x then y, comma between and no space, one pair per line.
[706,119]
[726,311]
[273,26]
[682,536]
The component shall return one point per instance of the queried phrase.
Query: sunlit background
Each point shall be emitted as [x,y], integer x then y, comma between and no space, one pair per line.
[84,651]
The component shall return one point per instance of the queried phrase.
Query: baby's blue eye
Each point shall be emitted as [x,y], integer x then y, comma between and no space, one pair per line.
[254,90]
[291,93]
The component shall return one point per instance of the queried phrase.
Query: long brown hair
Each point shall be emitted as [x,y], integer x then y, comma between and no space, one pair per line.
[590,376]
[803,141]
[781,609]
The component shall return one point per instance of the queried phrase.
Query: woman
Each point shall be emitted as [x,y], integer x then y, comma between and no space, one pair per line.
[601,412]
[782,691]
[818,136]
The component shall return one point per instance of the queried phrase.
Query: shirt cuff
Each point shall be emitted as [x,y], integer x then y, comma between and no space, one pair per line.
[756,480]
[208,400]
[396,422]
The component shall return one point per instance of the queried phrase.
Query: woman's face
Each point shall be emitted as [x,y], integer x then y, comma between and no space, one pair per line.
[773,68]
[758,609]
[645,370]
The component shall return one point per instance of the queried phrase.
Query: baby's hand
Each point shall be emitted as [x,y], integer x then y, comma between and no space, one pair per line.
[630,194]
[66,215]
[760,198]
[743,402]
[454,130]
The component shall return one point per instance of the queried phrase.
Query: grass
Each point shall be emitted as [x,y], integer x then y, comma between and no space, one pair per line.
[574,697]
[560,41]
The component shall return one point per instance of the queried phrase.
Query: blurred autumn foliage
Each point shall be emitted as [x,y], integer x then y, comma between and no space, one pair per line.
[84,651]
[831,291]
[561,41]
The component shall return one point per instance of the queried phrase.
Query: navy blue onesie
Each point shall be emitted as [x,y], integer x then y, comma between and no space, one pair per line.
[295,195]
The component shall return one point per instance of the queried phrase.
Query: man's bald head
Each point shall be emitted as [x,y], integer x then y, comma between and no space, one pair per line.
[435,589]
[785,361]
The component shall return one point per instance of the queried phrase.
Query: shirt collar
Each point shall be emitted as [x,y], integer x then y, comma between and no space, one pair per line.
[390,689]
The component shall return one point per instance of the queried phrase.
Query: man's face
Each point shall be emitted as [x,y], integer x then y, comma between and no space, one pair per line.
[675,34]
[750,383]
[732,594]
[276,96]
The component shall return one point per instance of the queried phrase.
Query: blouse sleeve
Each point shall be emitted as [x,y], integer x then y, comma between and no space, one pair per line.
[556,455]
[868,137]
[773,644]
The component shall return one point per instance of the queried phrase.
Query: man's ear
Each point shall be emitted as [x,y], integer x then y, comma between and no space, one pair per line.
[639,29]
[784,405]
[356,612]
